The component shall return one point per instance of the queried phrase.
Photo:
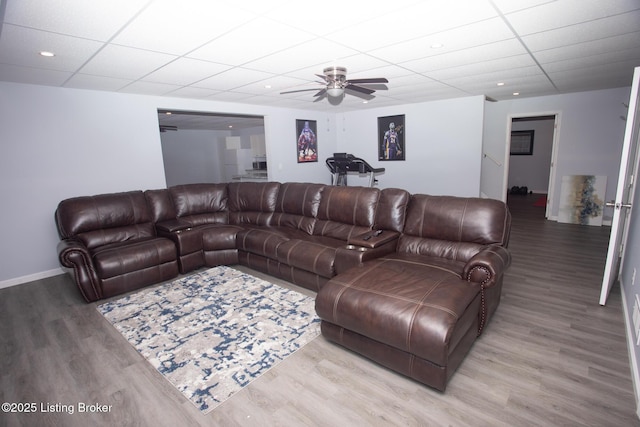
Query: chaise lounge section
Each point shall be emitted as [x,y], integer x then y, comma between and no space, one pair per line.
[408,281]
[419,309]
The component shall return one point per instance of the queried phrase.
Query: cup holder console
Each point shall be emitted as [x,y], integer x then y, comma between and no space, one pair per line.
[356,248]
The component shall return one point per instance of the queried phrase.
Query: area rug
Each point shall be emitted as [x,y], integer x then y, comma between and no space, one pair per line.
[212,333]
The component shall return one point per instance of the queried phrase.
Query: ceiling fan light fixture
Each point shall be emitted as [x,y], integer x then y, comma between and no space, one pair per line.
[335,92]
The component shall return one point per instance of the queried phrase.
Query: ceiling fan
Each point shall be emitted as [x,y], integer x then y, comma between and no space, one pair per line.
[335,82]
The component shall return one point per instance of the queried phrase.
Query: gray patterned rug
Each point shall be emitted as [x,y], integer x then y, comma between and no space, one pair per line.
[212,333]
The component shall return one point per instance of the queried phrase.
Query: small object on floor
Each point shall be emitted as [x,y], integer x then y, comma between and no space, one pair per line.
[541,201]
[519,190]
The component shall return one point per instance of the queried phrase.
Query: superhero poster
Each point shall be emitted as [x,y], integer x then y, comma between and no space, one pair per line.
[307,142]
[391,138]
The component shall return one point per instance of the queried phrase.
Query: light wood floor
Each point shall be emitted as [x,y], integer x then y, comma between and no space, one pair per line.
[550,357]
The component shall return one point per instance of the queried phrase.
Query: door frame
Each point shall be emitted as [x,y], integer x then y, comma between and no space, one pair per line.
[554,154]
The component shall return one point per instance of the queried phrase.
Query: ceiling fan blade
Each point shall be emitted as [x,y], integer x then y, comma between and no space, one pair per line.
[372,80]
[321,92]
[325,78]
[359,89]
[363,96]
[300,90]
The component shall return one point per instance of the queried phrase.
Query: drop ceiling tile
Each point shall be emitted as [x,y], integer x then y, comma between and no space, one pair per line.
[580,64]
[513,82]
[37,76]
[257,39]
[125,62]
[626,42]
[473,35]
[192,92]
[627,23]
[87,81]
[565,13]
[506,75]
[230,96]
[360,65]
[493,66]
[503,49]
[80,18]
[163,27]
[185,71]
[232,79]
[263,7]
[599,77]
[20,46]
[149,88]
[414,21]
[317,51]
[324,20]
[509,6]
[276,85]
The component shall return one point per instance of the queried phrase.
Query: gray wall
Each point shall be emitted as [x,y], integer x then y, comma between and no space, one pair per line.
[59,143]
[590,134]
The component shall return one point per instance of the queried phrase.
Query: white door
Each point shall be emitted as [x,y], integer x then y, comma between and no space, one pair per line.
[624,194]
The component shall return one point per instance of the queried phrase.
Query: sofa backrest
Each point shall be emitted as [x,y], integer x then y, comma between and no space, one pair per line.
[160,204]
[346,211]
[297,206]
[252,202]
[104,219]
[392,209]
[455,228]
[201,204]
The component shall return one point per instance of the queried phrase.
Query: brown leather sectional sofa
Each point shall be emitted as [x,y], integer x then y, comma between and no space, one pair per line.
[409,281]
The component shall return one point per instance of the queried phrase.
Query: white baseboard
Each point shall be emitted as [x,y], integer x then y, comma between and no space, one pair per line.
[30,278]
[635,374]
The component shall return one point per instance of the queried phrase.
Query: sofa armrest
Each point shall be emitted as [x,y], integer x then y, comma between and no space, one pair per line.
[374,238]
[76,259]
[353,256]
[488,265]
[172,226]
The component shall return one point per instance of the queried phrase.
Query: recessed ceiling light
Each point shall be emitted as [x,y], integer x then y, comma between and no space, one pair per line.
[516,93]
[168,113]
[47,54]
[230,126]
[267,86]
[501,84]
[437,46]
[365,102]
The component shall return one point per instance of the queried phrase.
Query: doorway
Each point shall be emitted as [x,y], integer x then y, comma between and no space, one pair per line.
[199,147]
[531,159]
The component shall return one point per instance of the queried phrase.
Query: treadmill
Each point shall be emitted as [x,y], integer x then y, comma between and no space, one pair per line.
[342,163]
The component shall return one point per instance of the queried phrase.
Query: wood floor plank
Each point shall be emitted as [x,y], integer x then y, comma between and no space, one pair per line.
[551,356]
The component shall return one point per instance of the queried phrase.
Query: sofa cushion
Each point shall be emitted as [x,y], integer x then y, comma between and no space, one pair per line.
[346,211]
[105,219]
[317,254]
[420,309]
[121,258]
[219,237]
[252,202]
[458,219]
[297,206]
[161,205]
[392,209]
[260,241]
[453,227]
[201,203]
